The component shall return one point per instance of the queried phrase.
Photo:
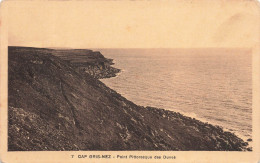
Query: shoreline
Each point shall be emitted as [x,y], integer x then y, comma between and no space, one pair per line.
[244,138]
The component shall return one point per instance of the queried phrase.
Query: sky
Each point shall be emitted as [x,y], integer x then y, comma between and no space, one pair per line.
[134,24]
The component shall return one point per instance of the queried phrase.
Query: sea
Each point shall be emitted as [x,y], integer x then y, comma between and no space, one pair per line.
[212,85]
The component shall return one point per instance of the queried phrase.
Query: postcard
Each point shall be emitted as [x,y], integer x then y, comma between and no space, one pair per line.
[130,81]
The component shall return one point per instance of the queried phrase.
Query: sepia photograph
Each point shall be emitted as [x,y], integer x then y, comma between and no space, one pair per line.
[150,99]
[130,81]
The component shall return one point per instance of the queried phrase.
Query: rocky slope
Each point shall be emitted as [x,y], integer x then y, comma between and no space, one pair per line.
[55,106]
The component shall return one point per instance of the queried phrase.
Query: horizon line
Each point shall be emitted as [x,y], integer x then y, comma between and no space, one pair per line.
[89,48]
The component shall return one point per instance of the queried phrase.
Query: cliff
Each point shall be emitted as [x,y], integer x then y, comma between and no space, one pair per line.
[53,105]
[91,62]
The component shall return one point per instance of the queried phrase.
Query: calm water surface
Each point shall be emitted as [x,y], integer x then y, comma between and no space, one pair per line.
[210,85]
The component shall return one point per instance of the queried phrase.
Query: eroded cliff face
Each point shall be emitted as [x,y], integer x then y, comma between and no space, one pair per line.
[91,62]
[53,105]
